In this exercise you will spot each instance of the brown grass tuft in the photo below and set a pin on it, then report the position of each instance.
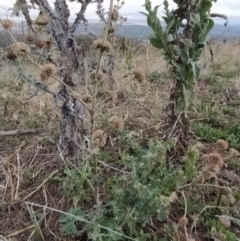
(117, 122)
(99, 138)
(103, 46)
(48, 70)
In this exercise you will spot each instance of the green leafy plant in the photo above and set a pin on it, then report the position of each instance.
(133, 197)
(68, 222)
(212, 134)
(154, 76)
(182, 45)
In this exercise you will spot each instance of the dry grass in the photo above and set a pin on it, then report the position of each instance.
(28, 164)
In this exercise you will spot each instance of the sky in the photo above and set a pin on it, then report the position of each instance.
(131, 10)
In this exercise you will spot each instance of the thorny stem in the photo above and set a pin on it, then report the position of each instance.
(94, 98)
(60, 81)
(206, 207)
(80, 219)
(93, 110)
(185, 213)
(54, 76)
(9, 32)
(105, 35)
(219, 197)
(84, 176)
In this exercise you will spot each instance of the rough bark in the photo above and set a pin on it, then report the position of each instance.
(73, 134)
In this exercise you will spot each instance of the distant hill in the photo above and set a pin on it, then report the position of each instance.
(142, 32)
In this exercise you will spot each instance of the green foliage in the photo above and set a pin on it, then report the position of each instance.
(181, 53)
(129, 58)
(68, 222)
(209, 223)
(74, 184)
(131, 198)
(220, 72)
(154, 76)
(190, 159)
(212, 134)
(209, 133)
(32, 122)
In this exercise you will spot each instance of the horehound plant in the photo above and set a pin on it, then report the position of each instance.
(182, 42)
(52, 29)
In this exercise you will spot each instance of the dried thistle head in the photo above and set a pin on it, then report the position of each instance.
(115, 15)
(233, 152)
(183, 221)
(39, 43)
(30, 38)
(221, 144)
(42, 19)
(111, 29)
(218, 236)
(48, 70)
(173, 197)
(215, 159)
(103, 46)
(113, 95)
(99, 138)
(87, 98)
(210, 171)
(117, 122)
(138, 75)
(17, 50)
(47, 43)
(99, 77)
(23, 48)
(7, 24)
(204, 157)
(12, 52)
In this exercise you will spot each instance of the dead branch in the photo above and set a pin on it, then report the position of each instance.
(17, 132)
(218, 15)
(80, 17)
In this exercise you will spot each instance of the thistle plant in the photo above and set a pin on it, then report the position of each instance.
(182, 41)
(53, 30)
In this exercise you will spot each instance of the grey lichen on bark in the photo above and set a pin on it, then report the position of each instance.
(73, 134)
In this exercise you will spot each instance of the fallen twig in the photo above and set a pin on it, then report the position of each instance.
(17, 132)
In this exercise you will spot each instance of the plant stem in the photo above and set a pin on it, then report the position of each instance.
(60, 81)
(105, 35)
(93, 110)
(54, 76)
